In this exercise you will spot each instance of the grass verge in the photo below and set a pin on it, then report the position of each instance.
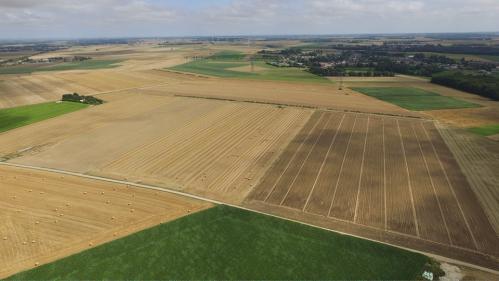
(414, 98)
(12, 118)
(486, 131)
(228, 243)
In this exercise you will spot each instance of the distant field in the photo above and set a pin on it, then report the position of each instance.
(87, 64)
(228, 243)
(486, 130)
(232, 65)
(12, 118)
(414, 98)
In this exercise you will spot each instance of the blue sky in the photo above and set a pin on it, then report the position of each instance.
(118, 18)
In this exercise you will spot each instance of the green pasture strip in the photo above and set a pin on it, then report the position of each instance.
(12, 118)
(414, 98)
(486, 131)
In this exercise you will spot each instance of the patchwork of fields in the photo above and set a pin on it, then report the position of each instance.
(46, 216)
(389, 174)
(374, 165)
(215, 148)
(38, 88)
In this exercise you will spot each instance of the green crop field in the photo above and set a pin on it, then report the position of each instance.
(221, 65)
(228, 243)
(22, 69)
(486, 131)
(12, 118)
(414, 98)
(87, 64)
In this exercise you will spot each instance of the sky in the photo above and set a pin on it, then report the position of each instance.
(33, 19)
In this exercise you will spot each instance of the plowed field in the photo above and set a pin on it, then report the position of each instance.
(390, 175)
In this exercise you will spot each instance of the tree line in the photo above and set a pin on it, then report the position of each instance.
(483, 85)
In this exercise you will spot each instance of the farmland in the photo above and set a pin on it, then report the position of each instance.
(386, 174)
(21, 116)
(227, 243)
(391, 168)
(232, 65)
(486, 130)
(87, 64)
(47, 216)
(414, 99)
(229, 144)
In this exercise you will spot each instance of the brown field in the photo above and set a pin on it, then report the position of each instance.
(43, 87)
(47, 216)
(214, 148)
(479, 159)
(313, 95)
(390, 175)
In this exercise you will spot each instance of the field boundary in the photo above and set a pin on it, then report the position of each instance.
(304, 106)
(156, 188)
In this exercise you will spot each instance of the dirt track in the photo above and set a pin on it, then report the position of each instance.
(46, 216)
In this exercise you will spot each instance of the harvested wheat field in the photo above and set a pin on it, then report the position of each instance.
(479, 159)
(296, 94)
(217, 149)
(386, 178)
(47, 216)
(31, 89)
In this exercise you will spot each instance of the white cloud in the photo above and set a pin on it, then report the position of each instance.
(58, 18)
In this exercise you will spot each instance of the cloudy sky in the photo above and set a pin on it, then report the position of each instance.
(121, 18)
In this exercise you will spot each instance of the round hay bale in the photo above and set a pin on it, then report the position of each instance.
(37, 263)
(5, 238)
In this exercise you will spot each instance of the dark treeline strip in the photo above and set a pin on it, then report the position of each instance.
(483, 85)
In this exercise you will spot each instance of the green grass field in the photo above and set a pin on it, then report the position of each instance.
(414, 98)
(87, 64)
(12, 118)
(220, 65)
(228, 243)
(486, 130)
(23, 69)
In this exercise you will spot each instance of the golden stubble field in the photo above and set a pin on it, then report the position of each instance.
(214, 148)
(46, 216)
